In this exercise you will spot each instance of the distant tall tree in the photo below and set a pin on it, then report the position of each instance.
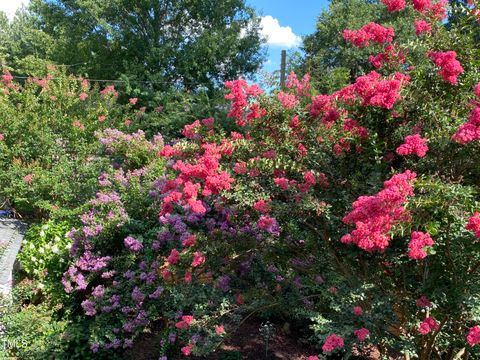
(154, 43)
(460, 11)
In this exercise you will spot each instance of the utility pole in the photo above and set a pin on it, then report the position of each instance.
(283, 69)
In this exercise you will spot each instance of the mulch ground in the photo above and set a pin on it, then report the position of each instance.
(247, 343)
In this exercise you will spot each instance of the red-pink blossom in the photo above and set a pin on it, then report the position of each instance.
(371, 32)
(449, 66)
(28, 178)
(78, 125)
(417, 245)
(354, 128)
(421, 5)
(474, 224)
(190, 130)
(357, 310)
(288, 101)
(185, 322)
(239, 93)
(189, 241)
(413, 144)
(219, 330)
(374, 216)
(187, 350)
(282, 182)
(302, 88)
(295, 122)
(262, 206)
(470, 131)
(422, 27)
(240, 168)
(473, 336)
(302, 150)
(361, 334)
(208, 122)
(320, 105)
(438, 11)
(476, 90)
(390, 56)
(174, 257)
(109, 90)
(375, 91)
(333, 342)
(198, 259)
(7, 78)
(268, 224)
(196, 206)
(394, 5)
(132, 101)
(423, 302)
(427, 325)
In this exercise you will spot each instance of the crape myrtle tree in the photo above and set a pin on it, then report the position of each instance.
(328, 59)
(333, 64)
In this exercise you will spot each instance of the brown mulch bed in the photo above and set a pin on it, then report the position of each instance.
(248, 344)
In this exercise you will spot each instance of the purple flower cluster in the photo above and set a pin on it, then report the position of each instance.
(132, 244)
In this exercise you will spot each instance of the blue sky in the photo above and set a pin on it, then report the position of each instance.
(299, 15)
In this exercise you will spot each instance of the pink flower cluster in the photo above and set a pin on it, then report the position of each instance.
(200, 177)
(332, 342)
(324, 105)
(302, 87)
(185, 322)
(476, 90)
(422, 27)
(390, 56)
(423, 302)
(374, 216)
(288, 101)
(372, 32)
(417, 244)
(421, 5)
(437, 11)
(109, 90)
(239, 93)
(378, 92)
(427, 325)
(470, 131)
(449, 66)
(357, 310)
(474, 224)
(354, 128)
(362, 334)
(394, 5)
(473, 336)
(7, 78)
(414, 144)
(190, 130)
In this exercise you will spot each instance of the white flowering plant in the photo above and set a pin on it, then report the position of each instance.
(44, 252)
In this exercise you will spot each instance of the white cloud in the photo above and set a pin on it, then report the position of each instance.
(11, 6)
(277, 35)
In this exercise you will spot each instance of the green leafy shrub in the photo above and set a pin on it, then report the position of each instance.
(44, 254)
